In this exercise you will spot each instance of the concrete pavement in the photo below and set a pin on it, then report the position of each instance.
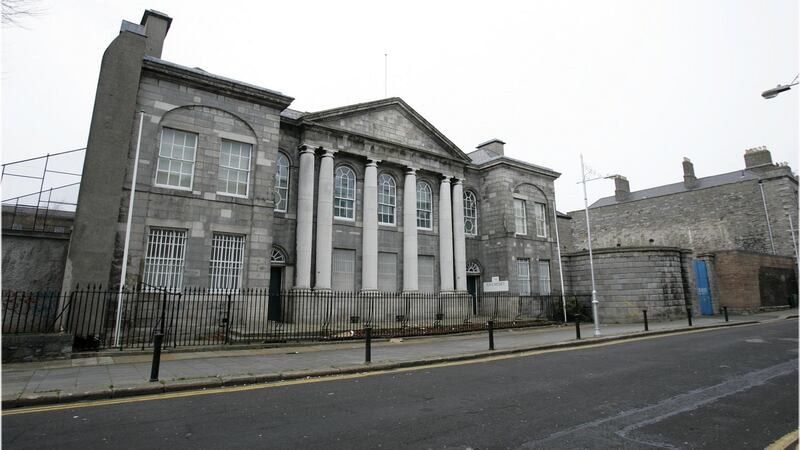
(122, 375)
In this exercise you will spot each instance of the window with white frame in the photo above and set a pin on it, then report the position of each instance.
(234, 168)
(544, 277)
(520, 219)
(163, 262)
(176, 156)
(227, 259)
(541, 219)
(470, 214)
(344, 196)
(524, 276)
(387, 199)
(424, 206)
(282, 183)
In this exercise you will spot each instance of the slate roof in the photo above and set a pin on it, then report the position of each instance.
(676, 188)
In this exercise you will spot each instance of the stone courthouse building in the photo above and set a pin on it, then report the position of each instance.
(233, 189)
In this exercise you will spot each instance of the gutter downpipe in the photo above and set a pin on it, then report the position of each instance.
(766, 214)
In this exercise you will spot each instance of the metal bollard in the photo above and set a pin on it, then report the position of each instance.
(577, 327)
(158, 338)
(367, 345)
(491, 334)
(689, 315)
(725, 311)
(646, 328)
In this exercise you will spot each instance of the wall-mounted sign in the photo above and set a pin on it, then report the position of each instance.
(495, 285)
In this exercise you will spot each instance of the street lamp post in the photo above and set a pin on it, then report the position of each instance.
(595, 302)
(772, 93)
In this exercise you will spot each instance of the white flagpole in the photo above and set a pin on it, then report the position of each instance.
(560, 268)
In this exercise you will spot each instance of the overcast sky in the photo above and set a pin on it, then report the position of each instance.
(633, 85)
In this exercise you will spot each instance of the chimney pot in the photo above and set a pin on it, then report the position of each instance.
(757, 157)
(156, 25)
(494, 145)
(621, 188)
(689, 180)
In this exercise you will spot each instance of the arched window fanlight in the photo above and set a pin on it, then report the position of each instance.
(473, 268)
(277, 257)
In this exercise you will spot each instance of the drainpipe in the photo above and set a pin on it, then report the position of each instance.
(766, 214)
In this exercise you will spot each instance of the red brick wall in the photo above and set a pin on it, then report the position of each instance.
(737, 277)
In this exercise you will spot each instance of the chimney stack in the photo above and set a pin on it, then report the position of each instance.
(756, 157)
(156, 25)
(689, 180)
(621, 188)
(494, 146)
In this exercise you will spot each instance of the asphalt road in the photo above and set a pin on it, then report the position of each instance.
(727, 388)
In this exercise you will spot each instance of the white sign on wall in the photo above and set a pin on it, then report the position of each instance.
(495, 285)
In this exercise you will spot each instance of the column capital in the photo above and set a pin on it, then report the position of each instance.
(411, 170)
(327, 153)
(372, 162)
(457, 181)
(445, 178)
(307, 148)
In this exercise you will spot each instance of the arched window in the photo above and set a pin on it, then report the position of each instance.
(387, 199)
(473, 268)
(282, 183)
(278, 257)
(470, 214)
(424, 206)
(344, 193)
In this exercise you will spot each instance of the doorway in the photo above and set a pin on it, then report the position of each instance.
(703, 291)
(473, 283)
(275, 284)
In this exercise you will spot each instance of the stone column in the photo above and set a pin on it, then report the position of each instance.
(445, 236)
(369, 247)
(305, 217)
(410, 281)
(324, 222)
(459, 243)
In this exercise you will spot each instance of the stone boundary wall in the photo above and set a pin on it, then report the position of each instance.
(629, 280)
(36, 347)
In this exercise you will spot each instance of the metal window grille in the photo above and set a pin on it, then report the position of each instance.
(343, 270)
(425, 273)
(176, 158)
(344, 197)
(387, 272)
(520, 220)
(387, 199)
(544, 277)
(524, 276)
(163, 265)
(234, 168)
(282, 183)
(227, 259)
(424, 206)
(470, 214)
(541, 222)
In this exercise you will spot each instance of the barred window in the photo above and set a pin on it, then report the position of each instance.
(163, 263)
(344, 197)
(234, 168)
(520, 219)
(227, 259)
(541, 219)
(424, 206)
(470, 214)
(387, 199)
(282, 183)
(544, 277)
(524, 276)
(175, 167)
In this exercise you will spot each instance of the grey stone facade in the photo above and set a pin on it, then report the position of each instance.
(164, 96)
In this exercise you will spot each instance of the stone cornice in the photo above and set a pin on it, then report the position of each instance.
(215, 83)
(517, 164)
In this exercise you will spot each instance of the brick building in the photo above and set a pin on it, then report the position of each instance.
(729, 234)
(233, 189)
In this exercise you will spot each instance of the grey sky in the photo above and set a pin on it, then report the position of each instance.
(634, 85)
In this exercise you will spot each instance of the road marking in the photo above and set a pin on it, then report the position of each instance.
(617, 429)
(278, 384)
(785, 442)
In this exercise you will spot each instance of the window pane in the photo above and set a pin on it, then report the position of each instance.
(227, 259)
(234, 168)
(520, 219)
(176, 158)
(424, 206)
(163, 265)
(470, 214)
(544, 277)
(387, 198)
(282, 183)
(541, 219)
(524, 276)
(344, 193)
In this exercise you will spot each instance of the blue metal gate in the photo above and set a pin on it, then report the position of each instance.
(703, 292)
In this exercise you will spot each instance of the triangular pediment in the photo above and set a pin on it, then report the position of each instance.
(390, 120)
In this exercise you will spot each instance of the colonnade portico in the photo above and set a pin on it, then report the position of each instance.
(452, 246)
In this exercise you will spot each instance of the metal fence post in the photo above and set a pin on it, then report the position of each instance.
(367, 345)
(491, 334)
(646, 328)
(157, 339)
(577, 327)
(725, 311)
(228, 320)
(689, 314)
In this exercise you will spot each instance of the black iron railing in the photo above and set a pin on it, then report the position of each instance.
(199, 316)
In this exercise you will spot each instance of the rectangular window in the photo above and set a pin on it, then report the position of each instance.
(541, 219)
(234, 168)
(520, 221)
(425, 273)
(163, 263)
(343, 270)
(387, 272)
(176, 159)
(544, 277)
(524, 276)
(227, 259)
